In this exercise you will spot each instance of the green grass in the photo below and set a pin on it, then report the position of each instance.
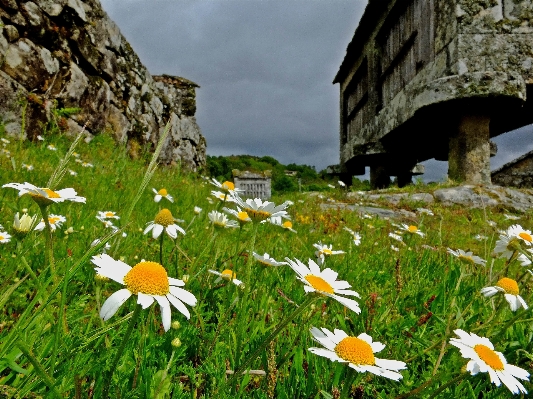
(54, 344)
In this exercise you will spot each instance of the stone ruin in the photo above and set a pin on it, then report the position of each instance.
(253, 184)
(60, 54)
(425, 79)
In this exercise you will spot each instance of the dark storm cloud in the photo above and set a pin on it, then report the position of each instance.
(265, 68)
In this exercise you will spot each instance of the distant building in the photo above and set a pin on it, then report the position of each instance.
(254, 184)
(517, 173)
(291, 173)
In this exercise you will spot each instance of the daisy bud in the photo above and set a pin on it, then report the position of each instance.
(175, 325)
(176, 343)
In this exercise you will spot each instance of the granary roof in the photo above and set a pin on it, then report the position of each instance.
(373, 12)
(513, 162)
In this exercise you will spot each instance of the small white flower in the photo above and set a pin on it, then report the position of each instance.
(468, 257)
(4, 237)
(509, 287)
(356, 236)
(107, 215)
(425, 211)
(197, 210)
(411, 229)
(51, 147)
(163, 193)
(220, 220)
(55, 221)
(27, 167)
(164, 221)
(267, 260)
(228, 275)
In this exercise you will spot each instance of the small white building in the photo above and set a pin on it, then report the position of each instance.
(254, 184)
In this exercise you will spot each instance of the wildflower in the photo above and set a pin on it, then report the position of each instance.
(242, 217)
(331, 186)
(341, 183)
(4, 237)
(221, 221)
(5, 141)
(149, 281)
(164, 221)
(51, 147)
(222, 196)
(259, 210)
(7, 153)
(287, 225)
(227, 275)
(411, 229)
(514, 239)
(107, 215)
(266, 260)
(87, 165)
(23, 225)
(356, 236)
(425, 211)
(108, 224)
(72, 172)
(78, 160)
(516, 231)
(176, 343)
(106, 247)
(197, 210)
(467, 257)
(75, 154)
(480, 237)
(324, 282)
(227, 187)
(27, 167)
(163, 193)
(40, 138)
(396, 237)
(509, 287)
(55, 221)
(396, 249)
(324, 250)
(45, 196)
(358, 352)
(483, 358)
(511, 217)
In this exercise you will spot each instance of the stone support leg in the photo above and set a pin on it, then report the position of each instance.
(379, 177)
(469, 151)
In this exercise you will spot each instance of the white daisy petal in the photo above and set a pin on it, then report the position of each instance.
(113, 303)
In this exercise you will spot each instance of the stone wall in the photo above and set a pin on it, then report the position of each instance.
(57, 54)
(517, 173)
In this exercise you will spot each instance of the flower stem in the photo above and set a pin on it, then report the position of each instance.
(49, 252)
(262, 347)
(125, 339)
(161, 248)
(346, 389)
(448, 384)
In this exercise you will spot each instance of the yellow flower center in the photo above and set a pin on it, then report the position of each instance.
(163, 192)
(412, 229)
(356, 351)
(525, 236)
(509, 285)
(147, 277)
(109, 214)
(53, 219)
(467, 259)
(243, 216)
(50, 193)
(326, 251)
(2, 237)
(227, 186)
(228, 274)
(287, 224)
(489, 356)
(164, 218)
(257, 215)
(319, 284)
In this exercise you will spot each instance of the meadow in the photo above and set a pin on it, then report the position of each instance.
(415, 289)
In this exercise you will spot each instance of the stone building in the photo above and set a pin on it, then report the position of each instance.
(425, 79)
(254, 184)
(517, 173)
(69, 54)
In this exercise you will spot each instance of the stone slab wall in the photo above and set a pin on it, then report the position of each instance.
(69, 54)
(517, 173)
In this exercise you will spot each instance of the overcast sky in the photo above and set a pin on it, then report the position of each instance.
(265, 68)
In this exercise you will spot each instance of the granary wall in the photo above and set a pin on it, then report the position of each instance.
(70, 54)
(517, 173)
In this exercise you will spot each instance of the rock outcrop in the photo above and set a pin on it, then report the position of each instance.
(68, 54)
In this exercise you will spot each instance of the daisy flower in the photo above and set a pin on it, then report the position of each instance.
(107, 215)
(227, 187)
(27, 167)
(241, 216)
(483, 358)
(396, 249)
(228, 275)
(411, 229)
(23, 225)
(40, 138)
(512, 240)
(56, 221)
(163, 193)
(72, 172)
(105, 248)
(324, 282)
(467, 257)
(425, 211)
(149, 281)
(266, 260)
(87, 165)
(164, 221)
(221, 221)
(341, 183)
(287, 225)
(517, 231)
(324, 250)
(511, 217)
(75, 154)
(222, 196)
(358, 352)
(396, 237)
(51, 147)
(5, 141)
(45, 196)
(356, 236)
(197, 210)
(4, 237)
(509, 287)
(260, 210)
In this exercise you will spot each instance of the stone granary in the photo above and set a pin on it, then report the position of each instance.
(517, 173)
(253, 184)
(425, 79)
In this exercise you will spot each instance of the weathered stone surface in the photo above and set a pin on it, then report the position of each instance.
(468, 195)
(517, 173)
(370, 210)
(69, 54)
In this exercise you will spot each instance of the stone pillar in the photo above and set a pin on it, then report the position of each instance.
(469, 151)
(379, 177)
